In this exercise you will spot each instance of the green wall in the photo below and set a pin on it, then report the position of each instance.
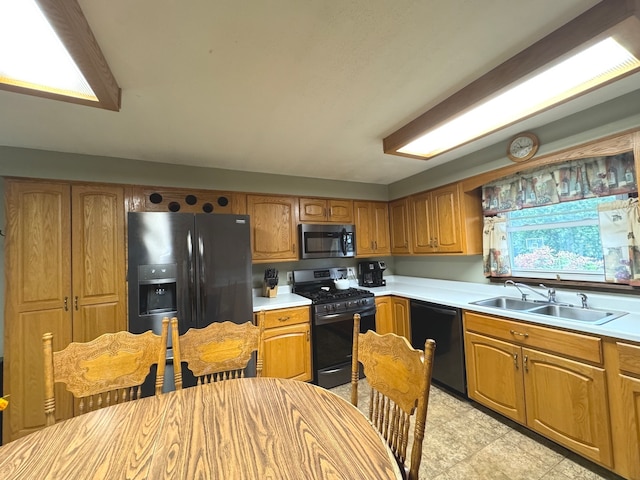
(22, 162)
(614, 116)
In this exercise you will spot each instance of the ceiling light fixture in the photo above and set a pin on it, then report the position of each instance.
(47, 49)
(594, 49)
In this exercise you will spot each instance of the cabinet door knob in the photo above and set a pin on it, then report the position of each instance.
(75, 302)
(526, 363)
(66, 304)
(515, 360)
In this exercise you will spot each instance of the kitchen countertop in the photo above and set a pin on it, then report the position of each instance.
(459, 294)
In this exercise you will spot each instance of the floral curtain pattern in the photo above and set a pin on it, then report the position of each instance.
(584, 178)
(495, 248)
(620, 235)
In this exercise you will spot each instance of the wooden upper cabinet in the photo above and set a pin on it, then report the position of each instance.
(399, 226)
(372, 228)
(421, 223)
(98, 259)
(65, 275)
(185, 200)
(273, 222)
(446, 220)
(326, 210)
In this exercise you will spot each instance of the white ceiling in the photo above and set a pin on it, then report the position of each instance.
(295, 87)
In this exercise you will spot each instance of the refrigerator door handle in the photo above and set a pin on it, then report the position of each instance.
(192, 276)
(203, 280)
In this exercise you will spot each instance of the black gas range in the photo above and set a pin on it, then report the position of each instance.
(332, 321)
(319, 286)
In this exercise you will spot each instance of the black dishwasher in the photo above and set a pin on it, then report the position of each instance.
(444, 325)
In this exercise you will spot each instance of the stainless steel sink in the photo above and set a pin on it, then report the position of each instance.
(565, 312)
(506, 303)
(574, 313)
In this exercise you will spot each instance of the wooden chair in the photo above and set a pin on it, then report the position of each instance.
(107, 370)
(219, 351)
(400, 380)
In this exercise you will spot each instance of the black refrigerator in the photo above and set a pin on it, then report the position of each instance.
(196, 267)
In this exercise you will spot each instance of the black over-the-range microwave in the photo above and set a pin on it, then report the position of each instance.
(327, 241)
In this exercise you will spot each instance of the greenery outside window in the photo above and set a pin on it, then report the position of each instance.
(558, 241)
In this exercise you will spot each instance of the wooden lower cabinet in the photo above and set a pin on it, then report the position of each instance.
(287, 343)
(392, 316)
(503, 392)
(622, 360)
(564, 399)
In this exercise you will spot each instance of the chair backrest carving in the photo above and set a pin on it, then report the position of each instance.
(219, 351)
(107, 370)
(400, 381)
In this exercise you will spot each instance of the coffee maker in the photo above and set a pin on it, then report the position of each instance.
(370, 274)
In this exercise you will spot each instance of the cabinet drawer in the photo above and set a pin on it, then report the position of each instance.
(629, 357)
(287, 316)
(577, 345)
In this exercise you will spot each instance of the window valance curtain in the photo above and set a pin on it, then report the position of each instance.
(584, 178)
(495, 246)
(620, 236)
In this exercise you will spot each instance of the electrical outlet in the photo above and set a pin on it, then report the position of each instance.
(290, 278)
(351, 272)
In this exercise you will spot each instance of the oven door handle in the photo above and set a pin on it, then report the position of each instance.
(343, 316)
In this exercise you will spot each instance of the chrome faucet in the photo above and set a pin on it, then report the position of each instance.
(550, 297)
(551, 294)
(583, 299)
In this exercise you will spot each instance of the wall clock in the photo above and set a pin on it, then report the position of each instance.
(522, 147)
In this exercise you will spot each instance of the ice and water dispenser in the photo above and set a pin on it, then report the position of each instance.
(157, 289)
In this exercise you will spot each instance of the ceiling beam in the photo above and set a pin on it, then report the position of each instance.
(620, 17)
(71, 26)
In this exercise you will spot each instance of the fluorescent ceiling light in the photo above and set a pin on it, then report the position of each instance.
(32, 54)
(47, 49)
(596, 48)
(593, 66)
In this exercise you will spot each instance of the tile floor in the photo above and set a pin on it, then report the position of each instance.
(465, 441)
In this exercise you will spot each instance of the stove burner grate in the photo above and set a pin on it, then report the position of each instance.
(332, 295)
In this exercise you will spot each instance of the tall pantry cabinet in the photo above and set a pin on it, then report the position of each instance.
(64, 270)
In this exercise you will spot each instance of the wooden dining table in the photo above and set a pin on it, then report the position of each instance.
(252, 428)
